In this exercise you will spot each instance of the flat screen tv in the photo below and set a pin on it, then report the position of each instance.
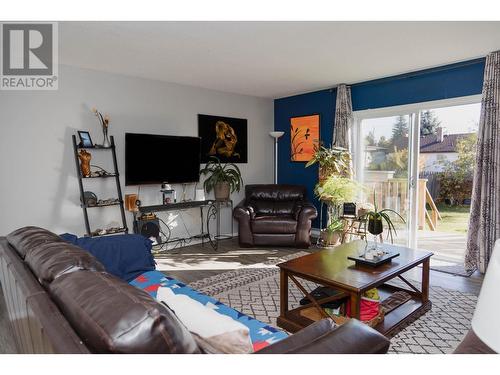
(153, 159)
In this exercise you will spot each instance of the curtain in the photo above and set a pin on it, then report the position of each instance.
(484, 222)
(343, 117)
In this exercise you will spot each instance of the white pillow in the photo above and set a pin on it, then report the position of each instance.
(220, 331)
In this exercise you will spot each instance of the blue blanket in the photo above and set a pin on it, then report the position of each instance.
(125, 256)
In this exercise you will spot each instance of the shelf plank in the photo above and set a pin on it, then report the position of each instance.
(121, 230)
(103, 205)
(94, 148)
(104, 176)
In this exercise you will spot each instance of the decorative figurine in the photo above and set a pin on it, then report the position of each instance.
(85, 157)
(104, 121)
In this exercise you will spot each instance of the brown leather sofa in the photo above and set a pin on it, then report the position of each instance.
(275, 215)
(60, 300)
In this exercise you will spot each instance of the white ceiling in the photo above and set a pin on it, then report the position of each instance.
(271, 59)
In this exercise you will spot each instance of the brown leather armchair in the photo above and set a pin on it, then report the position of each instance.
(276, 215)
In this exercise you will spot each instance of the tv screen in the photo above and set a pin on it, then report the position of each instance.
(153, 159)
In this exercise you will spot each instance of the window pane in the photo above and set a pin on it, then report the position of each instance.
(385, 168)
(447, 154)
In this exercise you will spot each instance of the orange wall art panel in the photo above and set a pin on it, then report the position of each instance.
(304, 137)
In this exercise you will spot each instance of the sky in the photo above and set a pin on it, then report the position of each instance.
(456, 119)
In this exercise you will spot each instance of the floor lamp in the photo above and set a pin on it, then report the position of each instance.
(276, 136)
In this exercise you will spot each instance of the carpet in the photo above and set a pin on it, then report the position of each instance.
(453, 269)
(255, 292)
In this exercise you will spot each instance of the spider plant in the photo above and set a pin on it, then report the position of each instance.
(336, 225)
(376, 220)
(221, 174)
(332, 234)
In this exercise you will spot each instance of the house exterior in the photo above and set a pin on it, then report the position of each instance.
(438, 149)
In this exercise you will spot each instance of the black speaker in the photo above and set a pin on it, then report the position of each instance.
(149, 228)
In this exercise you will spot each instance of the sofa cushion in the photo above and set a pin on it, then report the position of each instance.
(271, 192)
(263, 207)
(50, 260)
(284, 224)
(125, 256)
(214, 332)
(112, 316)
(29, 238)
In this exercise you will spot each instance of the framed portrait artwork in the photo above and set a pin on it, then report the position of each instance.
(223, 137)
(304, 136)
(85, 140)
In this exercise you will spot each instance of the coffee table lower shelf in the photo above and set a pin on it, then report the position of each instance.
(393, 321)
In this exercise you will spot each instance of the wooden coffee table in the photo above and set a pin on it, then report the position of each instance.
(331, 268)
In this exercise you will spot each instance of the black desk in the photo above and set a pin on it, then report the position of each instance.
(213, 212)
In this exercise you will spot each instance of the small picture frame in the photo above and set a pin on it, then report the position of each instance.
(85, 140)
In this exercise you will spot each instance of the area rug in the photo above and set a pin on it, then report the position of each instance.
(224, 260)
(255, 292)
(453, 269)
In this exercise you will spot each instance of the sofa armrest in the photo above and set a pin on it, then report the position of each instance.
(472, 344)
(304, 210)
(243, 212)
(324, 337)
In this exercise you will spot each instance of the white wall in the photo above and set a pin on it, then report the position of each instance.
(37, 167)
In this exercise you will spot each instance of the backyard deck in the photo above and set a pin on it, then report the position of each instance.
(446, 246)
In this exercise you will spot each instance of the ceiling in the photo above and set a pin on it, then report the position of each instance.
(271, 59)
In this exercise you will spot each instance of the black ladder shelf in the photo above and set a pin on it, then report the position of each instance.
(119, 198)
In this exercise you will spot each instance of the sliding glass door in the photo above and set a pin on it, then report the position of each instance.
(408, 157)
(448, 137)
(384, 166)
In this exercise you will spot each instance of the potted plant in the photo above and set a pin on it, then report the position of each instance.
(375, 220)
(332, 161)
(332, 234)
(337, 191)
(224, 179)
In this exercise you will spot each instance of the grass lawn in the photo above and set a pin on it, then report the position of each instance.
(455, 218)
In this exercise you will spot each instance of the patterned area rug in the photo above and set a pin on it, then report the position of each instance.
(256, 292)
(455, 270)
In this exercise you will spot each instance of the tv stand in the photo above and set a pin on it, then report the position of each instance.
(212, 213)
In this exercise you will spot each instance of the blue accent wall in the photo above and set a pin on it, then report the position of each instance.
(450, 81)
(318, 102)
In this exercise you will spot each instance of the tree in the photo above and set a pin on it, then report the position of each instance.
(384, 142)
(464, 165)
(399, 130)
(456, 179)
(429, 123)
(370, 138)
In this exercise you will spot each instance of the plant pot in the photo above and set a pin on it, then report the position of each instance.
(330, 238)
(375, 226)
(222, 191)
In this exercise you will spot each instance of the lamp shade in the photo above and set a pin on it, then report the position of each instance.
(485, 322)
(276, 134)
